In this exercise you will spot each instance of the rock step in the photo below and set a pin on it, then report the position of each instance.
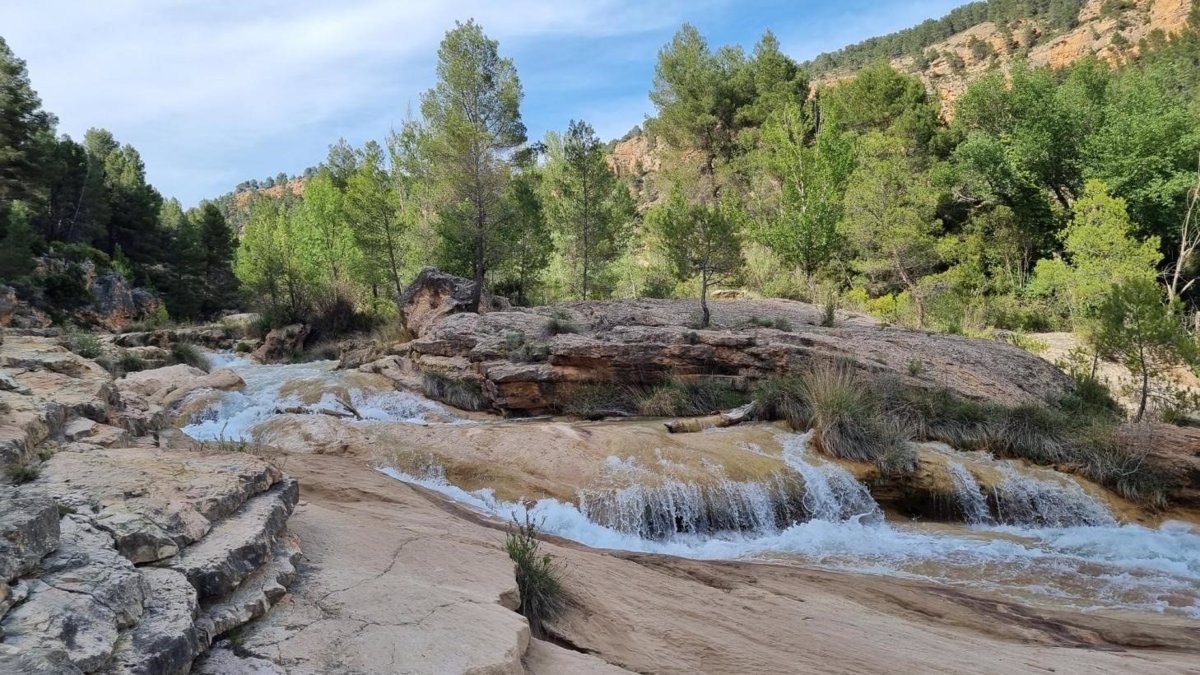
(238, 545)
(29, 531)
(166, 640)
(255, 595)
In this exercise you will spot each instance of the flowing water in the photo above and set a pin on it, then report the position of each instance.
(1037, 535)
(235, 413)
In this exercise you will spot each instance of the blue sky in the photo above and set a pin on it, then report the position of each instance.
(216, 92)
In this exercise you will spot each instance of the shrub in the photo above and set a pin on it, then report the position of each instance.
(1089, 397)
(131, 363)
(597, 400)
(243, 348)
(519, 349)
(560, 321)
(338, 316)
(846, 420)
(898, 458)
(539, 576)
(189, 354)
(781, 397)
(829, 311)
(23, 472)
(778, 323)
(678, 397)
(691, 337)
(461, 392)
(916, 367)
(84, 344)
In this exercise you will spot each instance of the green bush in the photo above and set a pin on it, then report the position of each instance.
(131, 363)
(84, 344)
(461, 392)
(518, 348)
(539, 576)
(560, 322)
(188, 354)
(778, 323)
(600, 399)
(846, 419)
(243, 348)
(781, 397)
(678, 397)
(23, 472)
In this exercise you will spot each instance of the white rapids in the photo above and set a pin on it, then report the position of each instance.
(1038, 537)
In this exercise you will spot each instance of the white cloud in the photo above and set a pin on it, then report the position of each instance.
(215, 92)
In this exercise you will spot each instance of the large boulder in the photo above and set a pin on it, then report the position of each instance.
(435, 294)
(116, 304)
(282, 344)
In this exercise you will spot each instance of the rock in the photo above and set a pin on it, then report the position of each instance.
(435, 294)
(35, 662)
(1173, 452)
(261, 589)
(8, 304)
(29, 530)
(644, 342)
(167, 640)
(222, 660)
(223, 379)
(239, 544)
(154, 502)
(92, 397)
(150, 383)
(281, 344)
(17, 314)
(116, 304)
(7, 383)
(85, 595)
(95, 433)
(212, 336)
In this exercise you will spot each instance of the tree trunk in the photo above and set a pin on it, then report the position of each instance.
(704, 313)
(1145, 386)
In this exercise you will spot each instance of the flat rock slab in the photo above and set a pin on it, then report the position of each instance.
(154, 502)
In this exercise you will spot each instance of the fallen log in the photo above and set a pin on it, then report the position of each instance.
(726, 419)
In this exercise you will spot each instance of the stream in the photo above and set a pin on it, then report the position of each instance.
(1048, 541)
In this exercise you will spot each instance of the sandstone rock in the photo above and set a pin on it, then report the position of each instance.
(90, 397)
(116, 304)
(643, 342)
(281, 344)
(166, 641)
(150, 383)
(7, 383)
(261, 589)
(154, 502)
(1174, 452)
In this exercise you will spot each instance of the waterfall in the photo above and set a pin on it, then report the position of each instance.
(1025, 499)
(968, 495)
(831, 493)
(662, 510)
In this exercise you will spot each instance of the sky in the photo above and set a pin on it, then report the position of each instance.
(214, 92)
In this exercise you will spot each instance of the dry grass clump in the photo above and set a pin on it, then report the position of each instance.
(461, 392)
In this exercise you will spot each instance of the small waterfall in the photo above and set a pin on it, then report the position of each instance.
(968, 495)
(1025, 499)
(831, 493)
(662, 510)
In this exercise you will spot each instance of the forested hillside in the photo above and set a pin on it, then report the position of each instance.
(1054, 198)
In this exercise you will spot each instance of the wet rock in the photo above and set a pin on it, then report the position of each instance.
(281, 344)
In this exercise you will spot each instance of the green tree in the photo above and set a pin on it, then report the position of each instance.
(132, 204)
(1136, 328)
(591, 208)
(699, 241)
(802, 229)
(379, 220)
(698, 94)
(880, 98)
(530, 244)
(23, 127)
(217, 245)
(890, 218)
(16, 246)
(474, 121)
(1100, 249)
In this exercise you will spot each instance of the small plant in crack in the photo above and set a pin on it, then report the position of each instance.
(539, 575)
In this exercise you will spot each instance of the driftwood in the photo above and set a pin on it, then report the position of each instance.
(725, 419)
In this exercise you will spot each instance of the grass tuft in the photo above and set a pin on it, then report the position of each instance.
(520, 349)
(781, 397)
(84, 344)
(131, 363)
(600, 399)
(846, 420)
(188, 354)
(539, 576)
(679, 397)
(560, 322)
(461, 392)
(23, 472)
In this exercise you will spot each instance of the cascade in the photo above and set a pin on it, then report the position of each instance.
(968, 495)
(831, 493)
(1023, 498)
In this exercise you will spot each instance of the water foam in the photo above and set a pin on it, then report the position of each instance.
(235, 414)
(968, 495)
